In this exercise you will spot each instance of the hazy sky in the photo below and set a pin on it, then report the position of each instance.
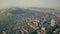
(31, 3)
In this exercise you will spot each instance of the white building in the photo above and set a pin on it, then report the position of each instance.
(53, 22)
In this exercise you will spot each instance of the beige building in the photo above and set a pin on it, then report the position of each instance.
(52, 22)
(58, 14)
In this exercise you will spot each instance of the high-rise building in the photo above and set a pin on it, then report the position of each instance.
(52, 22)
(3, 32)
(44, 18)
(36, 23)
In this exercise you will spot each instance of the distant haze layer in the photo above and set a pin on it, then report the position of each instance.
(31, 3)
